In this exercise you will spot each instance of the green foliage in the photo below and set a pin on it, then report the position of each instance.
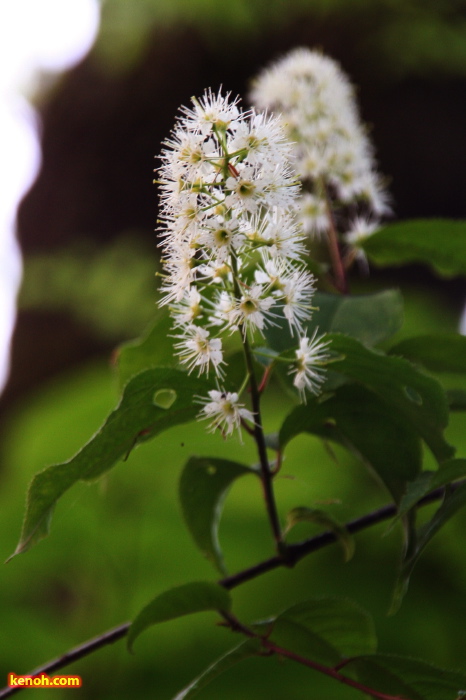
(183, 600)
(454, 500)
(456, 399)
(378, 406)
(320, 517)
(408, 678)
(137, 418)
(117, 299)
(245, 650)
(327, 630)
(154, 349)
(370, 318)
(429, 481)
(432, 34)
(204, 485)
(389, 448)
(439, 243)
(438, 353)
(414, 395)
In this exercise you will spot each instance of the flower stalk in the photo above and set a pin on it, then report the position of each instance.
(266, 473)
(234, 259)
(340, 277)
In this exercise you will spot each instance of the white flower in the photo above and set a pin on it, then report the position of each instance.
(219, 237)
(298, 291)
(262, 139)
(180, 271)
(224, 175)
(308, 368)
(228, 193)
(189, 308)
(313, 215)
(192, 152)
(225, 412)
(331, 149)
(212, 111)
(196, 349)
(226, 310)
(360, 230)
(189, 214)
(217, 271)
(283, 237)
(292, 286)
(253, 309)
(246, 190)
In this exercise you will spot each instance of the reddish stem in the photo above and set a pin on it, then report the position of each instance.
(341, 282)
(328, 671)
(265, 379)
(278, 463)
(233, 170)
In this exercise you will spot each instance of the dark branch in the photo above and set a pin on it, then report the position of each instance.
(73, 655)
(294, 553)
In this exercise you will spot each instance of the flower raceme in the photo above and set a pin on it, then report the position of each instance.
(232, 249)
(332, 153)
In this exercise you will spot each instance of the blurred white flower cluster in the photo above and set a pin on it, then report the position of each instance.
(232, 248)
(332, 153)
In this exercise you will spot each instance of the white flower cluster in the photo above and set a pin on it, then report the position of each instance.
(333, 155)
(231, 246)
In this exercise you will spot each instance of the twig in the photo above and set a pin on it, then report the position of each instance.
(331, 671)
(266, 474)
(69, 657)
(295, 552)
(327, 671)
(341, 282)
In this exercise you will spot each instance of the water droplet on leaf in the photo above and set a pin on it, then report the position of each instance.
(164, 398)
(413, 395)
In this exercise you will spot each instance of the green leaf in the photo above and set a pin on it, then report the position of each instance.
(248, 648)
(439, 353)
(204, 484)
(272, 442)
(265, 356)
(368, 427)
(327, 630)
(408, 678)
(425, 483)
(453, 502)
(415, 396)
(371, 318)
(327, 521)
(153, 349)
(139, 416)
(428, 481)
(440, 243)
(456, 399)
(183, 600)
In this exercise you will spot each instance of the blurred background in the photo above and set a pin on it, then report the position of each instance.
(89, 93)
